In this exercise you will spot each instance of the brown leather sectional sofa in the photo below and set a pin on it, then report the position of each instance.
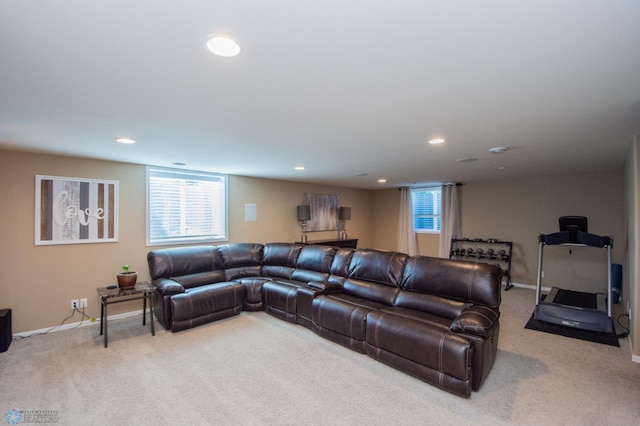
(436, 319)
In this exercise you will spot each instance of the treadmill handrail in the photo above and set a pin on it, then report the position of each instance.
(576, 238)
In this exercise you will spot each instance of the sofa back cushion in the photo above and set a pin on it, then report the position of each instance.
(468, 282)
(177, 261)
(379, 266)
(279, 259)
(240, 254)
(241, 259)
(316, 258)
(340, 265)
(375, 275)
(314, 263)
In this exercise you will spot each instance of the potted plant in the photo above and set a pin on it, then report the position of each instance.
(127, 278)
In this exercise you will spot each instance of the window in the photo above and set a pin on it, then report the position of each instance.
(185, 206)
(427, 209)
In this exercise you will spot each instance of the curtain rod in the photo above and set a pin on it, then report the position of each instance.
(442, 184)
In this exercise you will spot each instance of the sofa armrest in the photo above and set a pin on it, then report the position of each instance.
(168, 286)
(478, 320)
(325, 286)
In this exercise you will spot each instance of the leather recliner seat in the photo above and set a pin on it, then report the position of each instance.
(436, 319)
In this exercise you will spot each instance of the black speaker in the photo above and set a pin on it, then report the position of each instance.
(5, 329)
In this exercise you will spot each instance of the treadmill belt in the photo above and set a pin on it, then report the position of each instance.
(576, 298)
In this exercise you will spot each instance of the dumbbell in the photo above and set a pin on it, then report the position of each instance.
(479, 252)
(469, 251)
(490, 252)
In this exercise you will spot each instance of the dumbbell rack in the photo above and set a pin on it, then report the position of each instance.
(498, 252)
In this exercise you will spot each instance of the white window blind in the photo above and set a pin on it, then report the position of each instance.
(427, 211)
(185, 206)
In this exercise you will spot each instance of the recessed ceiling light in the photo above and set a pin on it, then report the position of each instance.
(177, 163)
(466, 160)
(222, 45)
(299, 168)
(361, 174)
(382, 181)
(498, 150)
(125, 140)
(436, 141)
(500, 167)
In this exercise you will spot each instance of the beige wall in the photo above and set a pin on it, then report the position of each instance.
(385, 218)
(38, 282)
(276, 203)
(631, 224)
(519, 210)
(385, 215)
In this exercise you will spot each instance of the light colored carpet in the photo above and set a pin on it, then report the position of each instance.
(256, 369)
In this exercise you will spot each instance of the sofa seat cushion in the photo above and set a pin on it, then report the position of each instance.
(279, 298)
(436, 305)
(206, 303)
(200, 278)
(367, 290)
(253, 292)
(434, 320)
(343, 314)
(306, 276)
(422, 342)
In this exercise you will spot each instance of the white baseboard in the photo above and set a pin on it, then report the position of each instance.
(531, 287)
(634, 358)
(84, 323)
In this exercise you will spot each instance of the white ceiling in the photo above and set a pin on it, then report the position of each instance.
(343, 87)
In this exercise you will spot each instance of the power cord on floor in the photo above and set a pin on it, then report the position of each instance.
(81, 311)
(625, 333)
(82, 318)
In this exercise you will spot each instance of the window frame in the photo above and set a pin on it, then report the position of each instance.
(437, 217)
(188, 175)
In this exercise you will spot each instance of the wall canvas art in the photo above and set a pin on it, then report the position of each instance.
(324, 209)
(74, 210)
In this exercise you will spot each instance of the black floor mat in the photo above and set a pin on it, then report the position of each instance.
(576, 333)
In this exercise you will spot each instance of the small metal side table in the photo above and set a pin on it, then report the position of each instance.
(142, 290)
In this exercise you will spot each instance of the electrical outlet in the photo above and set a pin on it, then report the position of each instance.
(74, 304)
(83, 303)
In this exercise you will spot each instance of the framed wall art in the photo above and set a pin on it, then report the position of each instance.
(324, 209)
(75, 210)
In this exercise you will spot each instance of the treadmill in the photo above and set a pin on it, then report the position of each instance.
(587, 311)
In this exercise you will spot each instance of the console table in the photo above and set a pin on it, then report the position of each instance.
(348, 243)
(142, 290)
